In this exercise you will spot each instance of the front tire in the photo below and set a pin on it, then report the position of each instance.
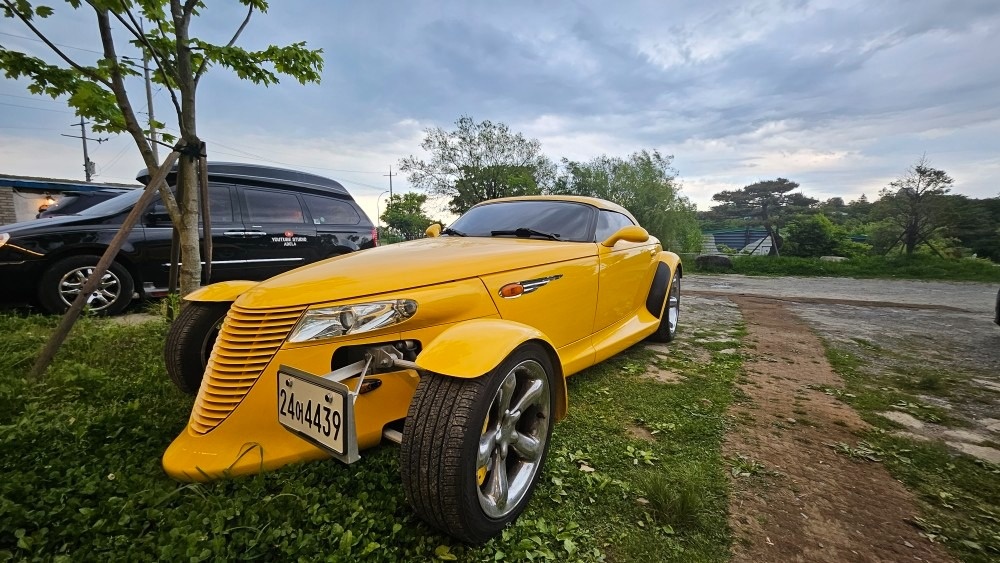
(189, 343)
(473, 449)
(667, 330)
(62, 282)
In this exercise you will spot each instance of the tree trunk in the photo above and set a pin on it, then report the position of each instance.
(190, 270)
(187, 174)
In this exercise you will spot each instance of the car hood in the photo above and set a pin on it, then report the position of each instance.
(44, 223)
(407, 265)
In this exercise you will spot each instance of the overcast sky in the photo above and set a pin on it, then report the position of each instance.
(838, 96)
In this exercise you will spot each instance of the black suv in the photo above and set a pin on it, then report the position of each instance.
(264, 221)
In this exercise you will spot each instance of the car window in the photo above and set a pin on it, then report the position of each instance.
(264, 206)
(329, 211)
(114, 205)
(608, 223)
(220, 204)
(569, 220)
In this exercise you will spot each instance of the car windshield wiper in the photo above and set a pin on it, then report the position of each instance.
(450, 231)
(525, 232)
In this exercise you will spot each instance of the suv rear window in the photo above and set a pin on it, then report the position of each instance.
(273, 207)
(327, 211)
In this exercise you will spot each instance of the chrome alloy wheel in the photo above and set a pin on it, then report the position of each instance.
(674, 304)
(106, 293)
(513, 439)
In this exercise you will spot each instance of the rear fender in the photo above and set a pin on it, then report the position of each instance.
(222, 291)
(472, 348)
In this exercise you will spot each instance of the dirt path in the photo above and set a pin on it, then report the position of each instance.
(797, 498)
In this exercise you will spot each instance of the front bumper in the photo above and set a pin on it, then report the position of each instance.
(251, 440)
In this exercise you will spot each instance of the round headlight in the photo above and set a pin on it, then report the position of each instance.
(347, 319)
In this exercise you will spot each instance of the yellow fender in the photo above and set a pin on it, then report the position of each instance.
(222, 291)
(470, 349)
(670, 259)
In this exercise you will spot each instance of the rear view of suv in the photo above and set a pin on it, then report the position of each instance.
(264, 221)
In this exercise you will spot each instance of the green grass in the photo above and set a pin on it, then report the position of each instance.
(80, 459)
(959, 495)
(895, 266)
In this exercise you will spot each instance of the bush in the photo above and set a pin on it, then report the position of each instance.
(816, 236)
(918, 266)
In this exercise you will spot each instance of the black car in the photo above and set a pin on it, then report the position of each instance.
(71, 203)
(264, 221)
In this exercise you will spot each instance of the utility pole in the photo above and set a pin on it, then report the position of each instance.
(149, 100)
(88, 165)
(390, 175)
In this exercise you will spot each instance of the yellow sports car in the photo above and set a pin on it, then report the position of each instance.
(456, 346)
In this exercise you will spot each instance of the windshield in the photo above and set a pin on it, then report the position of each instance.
(569, 221)
(114, 205)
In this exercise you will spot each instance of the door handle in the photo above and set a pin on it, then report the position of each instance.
(235, 234)
(254, 234)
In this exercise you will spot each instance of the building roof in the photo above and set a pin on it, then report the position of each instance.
(57, 184)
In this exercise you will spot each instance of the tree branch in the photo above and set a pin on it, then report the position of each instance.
(86, 72)
(157, 58)
(189, 7)
(246, 20)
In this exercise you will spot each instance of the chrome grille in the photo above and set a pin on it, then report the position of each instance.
(247, 342)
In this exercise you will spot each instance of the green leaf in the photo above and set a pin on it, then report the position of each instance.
(443, 552)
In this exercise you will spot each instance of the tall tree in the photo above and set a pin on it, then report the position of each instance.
(476, 162)
(404, 214)
(914, 205)
(645, 184)
(770, 204)
(96, 89)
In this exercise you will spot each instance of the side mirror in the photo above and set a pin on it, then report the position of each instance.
(434, 230)
(628, 234)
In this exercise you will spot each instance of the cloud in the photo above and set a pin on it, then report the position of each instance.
(840, 97)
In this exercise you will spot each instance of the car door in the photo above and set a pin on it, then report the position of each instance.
(626, 271)
(227, 237)
(277, 237)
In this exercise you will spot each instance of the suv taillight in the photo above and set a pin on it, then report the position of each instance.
(374, 236)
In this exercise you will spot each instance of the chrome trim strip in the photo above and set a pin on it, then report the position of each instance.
(167, 264)
(530, 286)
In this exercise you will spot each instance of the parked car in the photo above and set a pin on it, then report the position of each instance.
(456, 346)
(73, 202)
(264, 221)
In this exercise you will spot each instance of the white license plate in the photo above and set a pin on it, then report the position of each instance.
(319, 410)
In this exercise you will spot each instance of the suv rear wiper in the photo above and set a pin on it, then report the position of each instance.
(525, 232)
(450, 231)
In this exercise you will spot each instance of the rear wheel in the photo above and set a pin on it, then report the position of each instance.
(667, 330)
(190, 340)
(62, 282)
(473, 449)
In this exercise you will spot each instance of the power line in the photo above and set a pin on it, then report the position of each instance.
(56, 44)
(33, 98)
(31, 107)
(31, 128)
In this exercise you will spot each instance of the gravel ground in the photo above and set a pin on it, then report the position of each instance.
(974, 297)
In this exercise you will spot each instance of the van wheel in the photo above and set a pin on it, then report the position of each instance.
(190, 341)
(473, 449)
(62, 282)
